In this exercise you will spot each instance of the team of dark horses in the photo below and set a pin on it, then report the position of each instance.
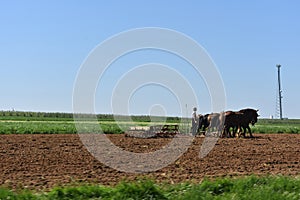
(227, 124)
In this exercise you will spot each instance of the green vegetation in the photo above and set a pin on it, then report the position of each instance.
(14, 122)
(277, 126)
(56, 116)
(253, 187)
(55, 127)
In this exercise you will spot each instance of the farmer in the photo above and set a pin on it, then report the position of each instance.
(194, 121)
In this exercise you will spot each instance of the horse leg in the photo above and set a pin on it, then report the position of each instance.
(203, 129)
(250, 132)
(229, 135)
(239, 131)
(225, 132)
(244, 132)
(234, 128)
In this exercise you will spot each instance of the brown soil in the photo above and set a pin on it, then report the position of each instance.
(43, 161)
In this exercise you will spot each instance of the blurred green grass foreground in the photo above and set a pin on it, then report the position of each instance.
(252, 187)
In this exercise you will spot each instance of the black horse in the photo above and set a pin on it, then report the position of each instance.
(249, 117)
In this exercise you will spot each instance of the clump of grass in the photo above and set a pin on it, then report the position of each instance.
(253, 187)
(144, 189)
(23, 195)
(80, 192)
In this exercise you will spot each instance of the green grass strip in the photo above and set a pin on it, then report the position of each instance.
(252, 187)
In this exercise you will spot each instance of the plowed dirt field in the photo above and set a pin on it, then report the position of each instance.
(43, 161)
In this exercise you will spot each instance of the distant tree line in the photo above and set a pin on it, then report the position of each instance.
(28, 115)
(35, 114)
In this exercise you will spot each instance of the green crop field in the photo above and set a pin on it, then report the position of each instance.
(14, 122)
(277, 126)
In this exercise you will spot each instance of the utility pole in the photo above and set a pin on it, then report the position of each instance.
(279, 93)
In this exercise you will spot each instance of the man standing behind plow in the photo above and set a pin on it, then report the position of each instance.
(194, 121)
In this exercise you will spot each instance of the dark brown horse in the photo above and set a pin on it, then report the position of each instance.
(232, 120)
(216, 123)
(203, 123)
(249, 117)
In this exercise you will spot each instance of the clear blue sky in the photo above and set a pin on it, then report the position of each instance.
(43, 44)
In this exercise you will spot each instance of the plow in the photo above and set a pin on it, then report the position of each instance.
(156, 131)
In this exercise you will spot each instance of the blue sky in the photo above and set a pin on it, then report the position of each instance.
(43, 44)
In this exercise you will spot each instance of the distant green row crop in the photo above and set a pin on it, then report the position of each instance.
(276, 129)
(12, 122)
(58, 127)
(258, 188)
(25, 127)
(277, 126)
(62, 127)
